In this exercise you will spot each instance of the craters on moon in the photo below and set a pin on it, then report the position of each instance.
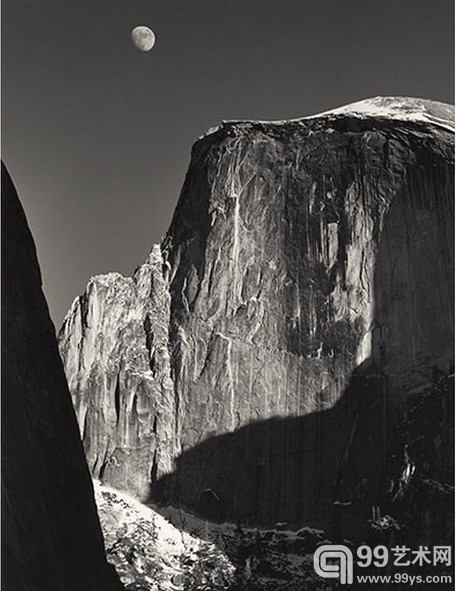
(143, 38)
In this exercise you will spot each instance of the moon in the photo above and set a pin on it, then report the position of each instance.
(143, 38)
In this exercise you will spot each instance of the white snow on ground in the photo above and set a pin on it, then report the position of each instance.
(211, 531)
(275, 559)
(151, 554)
(167, 549)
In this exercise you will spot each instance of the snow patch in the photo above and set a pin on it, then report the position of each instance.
(147, 550)
(398, 108)
(381, 107)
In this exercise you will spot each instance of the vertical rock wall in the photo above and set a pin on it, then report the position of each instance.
(117, 363)
(51, 537)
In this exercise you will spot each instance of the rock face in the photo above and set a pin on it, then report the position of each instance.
(50, 532)
(255, 367)
(115, 347)
(423, 497)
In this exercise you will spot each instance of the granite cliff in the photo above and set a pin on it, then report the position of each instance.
(51, 536)
(255, 367)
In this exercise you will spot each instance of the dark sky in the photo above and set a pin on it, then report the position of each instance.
(97, 135)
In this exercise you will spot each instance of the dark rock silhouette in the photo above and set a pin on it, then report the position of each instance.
(51, 537)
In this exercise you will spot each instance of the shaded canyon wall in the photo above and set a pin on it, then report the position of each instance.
(51, 536)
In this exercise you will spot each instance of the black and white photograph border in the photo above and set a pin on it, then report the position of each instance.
(266, 402)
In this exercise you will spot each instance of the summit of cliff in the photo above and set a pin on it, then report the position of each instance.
(394, 108)
(400, 109)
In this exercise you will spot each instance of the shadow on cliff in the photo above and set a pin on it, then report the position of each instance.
(325, 469)
(331, 468)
